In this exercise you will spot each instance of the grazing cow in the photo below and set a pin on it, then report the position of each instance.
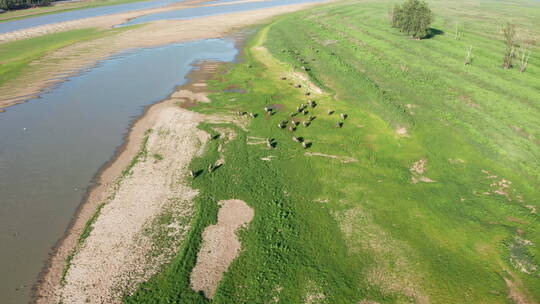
(298, 86)
(310, 118)
(192, 173)
(305, 112)
(283, 78)
(306, 123)
(339, 124)
(268, 109)
(307, 93)
(296, 123)
(270, 143)
(252, 115)
(280, 125)
(306, 144)
(292, 129)
(296, 139)
(293, 114)
(344, 116)
(211, 168)
(330, 112)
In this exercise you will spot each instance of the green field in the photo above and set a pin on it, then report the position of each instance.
(427, 194)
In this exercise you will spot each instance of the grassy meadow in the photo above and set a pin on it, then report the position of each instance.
(427, 193)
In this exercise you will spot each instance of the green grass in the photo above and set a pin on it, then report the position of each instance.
(16, 57)
(61, 8)
(88, 226)
(360, 229)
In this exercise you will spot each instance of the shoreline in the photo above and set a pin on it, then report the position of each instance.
(99, 187)
(101, 183)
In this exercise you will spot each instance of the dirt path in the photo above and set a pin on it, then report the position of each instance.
(220, 246)
(67, 62)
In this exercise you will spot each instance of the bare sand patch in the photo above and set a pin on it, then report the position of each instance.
(402, 131)
(455, 161)
(343, 159)
(515, 292)
(115, 257)
(418, 169)
(54, 67)
(307, 83)
(220, 246)
(531, 208)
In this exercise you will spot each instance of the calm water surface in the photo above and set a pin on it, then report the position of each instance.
(212, 10)
(14, 25)
(51, 147)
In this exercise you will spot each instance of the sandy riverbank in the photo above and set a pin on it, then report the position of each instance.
(114, 258)
(68, 62)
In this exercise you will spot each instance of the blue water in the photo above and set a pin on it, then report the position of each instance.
(52, 146)
(14, 25)
(212, 10)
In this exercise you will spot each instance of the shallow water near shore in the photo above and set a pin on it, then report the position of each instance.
(51, 147)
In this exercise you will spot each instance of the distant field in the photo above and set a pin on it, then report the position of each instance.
(17, 58)
(429, 191)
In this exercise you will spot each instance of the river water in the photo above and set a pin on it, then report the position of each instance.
(9, 26)
(204, 11)
(52, 146)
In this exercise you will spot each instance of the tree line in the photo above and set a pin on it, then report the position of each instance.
(17, 4)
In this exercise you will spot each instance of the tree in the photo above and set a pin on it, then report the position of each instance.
(17, 4)
(509, 33)
(413, 18)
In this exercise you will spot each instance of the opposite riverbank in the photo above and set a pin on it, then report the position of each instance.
(55, 66)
